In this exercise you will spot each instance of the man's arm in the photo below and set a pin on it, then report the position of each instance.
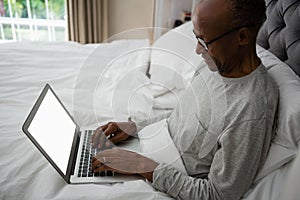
(142, 123)
(233, 169)
(117, 132)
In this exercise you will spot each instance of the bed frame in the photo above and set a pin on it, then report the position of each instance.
(280, 34)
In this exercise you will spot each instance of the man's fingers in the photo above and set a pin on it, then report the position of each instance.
(103, 127)
(97, 161)
(98, 138)
(100, 168)
(110, 164)
(111, 136)
(107, 135)
(97, 133)
(118, 137)
(102, 140)
(100, 162)
(108, 144)
(95, 137)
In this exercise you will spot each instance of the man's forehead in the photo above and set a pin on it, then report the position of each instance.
(218, 5)
(209, 12)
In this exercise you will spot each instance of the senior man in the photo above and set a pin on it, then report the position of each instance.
(224, 139)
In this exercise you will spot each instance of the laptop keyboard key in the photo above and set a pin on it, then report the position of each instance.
(109, 173)
(86, 161)
(102, 173)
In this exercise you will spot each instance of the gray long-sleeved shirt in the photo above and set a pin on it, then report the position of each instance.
(222, 128)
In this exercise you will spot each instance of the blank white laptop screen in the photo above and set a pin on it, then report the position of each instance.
(54, 130)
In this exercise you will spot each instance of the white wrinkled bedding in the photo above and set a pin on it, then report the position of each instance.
(73, 72)
(96, 83)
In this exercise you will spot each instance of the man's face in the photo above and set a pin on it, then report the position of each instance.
(211, 19)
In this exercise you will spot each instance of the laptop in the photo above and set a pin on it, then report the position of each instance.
(52, 129)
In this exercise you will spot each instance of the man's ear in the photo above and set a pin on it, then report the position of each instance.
(244, 36)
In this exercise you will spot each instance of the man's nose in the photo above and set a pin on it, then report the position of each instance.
(199, 49)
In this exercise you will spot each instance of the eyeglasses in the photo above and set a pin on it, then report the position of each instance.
(205, 44)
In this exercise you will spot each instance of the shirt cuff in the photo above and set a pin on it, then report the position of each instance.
(167, 179)
(139, 124)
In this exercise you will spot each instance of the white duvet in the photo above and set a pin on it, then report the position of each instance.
(97, 84)
(73, 71)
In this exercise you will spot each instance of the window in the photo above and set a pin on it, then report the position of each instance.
(33, 20)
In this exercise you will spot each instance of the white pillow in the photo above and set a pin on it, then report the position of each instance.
(112, 83)
(288, 131)
(284, 146)
(174, 60)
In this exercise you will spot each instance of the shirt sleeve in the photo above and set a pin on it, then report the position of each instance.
(142, 123)
(232, 171)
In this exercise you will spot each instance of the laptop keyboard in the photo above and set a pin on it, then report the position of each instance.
(87, 154)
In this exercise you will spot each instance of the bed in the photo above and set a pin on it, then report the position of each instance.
(111, 81)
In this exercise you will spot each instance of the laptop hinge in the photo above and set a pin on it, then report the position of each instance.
(75, 156)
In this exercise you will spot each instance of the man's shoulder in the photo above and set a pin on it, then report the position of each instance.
(255, 98)
(260, 85)
(265, 87)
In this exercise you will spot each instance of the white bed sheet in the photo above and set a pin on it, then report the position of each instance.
(73, 71)
(24, 70)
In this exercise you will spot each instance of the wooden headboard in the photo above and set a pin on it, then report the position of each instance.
(280, 34)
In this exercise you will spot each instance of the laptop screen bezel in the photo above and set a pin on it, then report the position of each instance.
(76, 137)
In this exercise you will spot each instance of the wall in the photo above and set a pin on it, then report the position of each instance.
(127, 17)
(195, 2)
(167, 11)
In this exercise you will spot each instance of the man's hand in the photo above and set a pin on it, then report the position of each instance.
(124, 162)
(111, 133)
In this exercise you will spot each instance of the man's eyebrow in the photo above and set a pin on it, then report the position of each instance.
(197, 35)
